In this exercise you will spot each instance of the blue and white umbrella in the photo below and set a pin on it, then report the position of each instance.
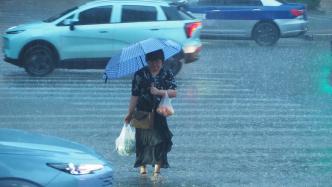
(132, 58)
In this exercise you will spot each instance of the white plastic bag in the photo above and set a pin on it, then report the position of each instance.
(165, 107)
(125, 143)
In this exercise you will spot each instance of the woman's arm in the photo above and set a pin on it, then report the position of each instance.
(170, 92)
(132, 104)
(131, 108)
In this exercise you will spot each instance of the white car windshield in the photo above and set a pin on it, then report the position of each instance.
(53, 18)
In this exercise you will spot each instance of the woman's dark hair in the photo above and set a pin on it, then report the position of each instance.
(155, 55)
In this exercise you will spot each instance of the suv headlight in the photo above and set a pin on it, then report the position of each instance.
(81, 169)
(15, 32)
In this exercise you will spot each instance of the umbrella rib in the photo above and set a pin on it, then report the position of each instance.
(140, 57)
(132, 58)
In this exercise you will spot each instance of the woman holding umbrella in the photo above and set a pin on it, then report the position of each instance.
(149, 85)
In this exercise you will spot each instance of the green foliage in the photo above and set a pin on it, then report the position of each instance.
(312, 4)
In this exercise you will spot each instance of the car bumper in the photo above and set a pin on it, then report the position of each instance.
(15, 62)
(191, 54)
(11, 46)
(9, 56)
(292, 27)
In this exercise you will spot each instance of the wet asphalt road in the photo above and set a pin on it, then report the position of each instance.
(245, 115)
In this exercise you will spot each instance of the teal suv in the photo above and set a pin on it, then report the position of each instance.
(87, 36)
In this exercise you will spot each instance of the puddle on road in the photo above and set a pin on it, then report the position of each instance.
(164, 181)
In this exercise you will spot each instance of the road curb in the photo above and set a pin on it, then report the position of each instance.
(308, 37)
(318, 37)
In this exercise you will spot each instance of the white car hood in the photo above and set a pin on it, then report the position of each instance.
(26, 26)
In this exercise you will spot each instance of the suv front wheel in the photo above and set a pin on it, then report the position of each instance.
(39, 60)
(174, 65)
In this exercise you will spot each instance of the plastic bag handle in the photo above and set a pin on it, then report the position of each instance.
(166, 94)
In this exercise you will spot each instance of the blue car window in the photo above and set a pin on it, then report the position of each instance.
(243, 2)
(211, 2)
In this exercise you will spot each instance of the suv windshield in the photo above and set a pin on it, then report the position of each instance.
(53, 18)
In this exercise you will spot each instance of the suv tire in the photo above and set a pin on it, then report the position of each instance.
(266, 34)
(39, 60)
(174, 65)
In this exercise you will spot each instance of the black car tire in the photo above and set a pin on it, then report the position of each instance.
(266, 34)
(39, 60)
(174, 65)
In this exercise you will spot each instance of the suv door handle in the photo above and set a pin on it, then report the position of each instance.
(154, 29)
(256, 9)
(103, 32)
(215, 10)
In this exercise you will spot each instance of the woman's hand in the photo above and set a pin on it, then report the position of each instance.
(156, 91)
(128, 118)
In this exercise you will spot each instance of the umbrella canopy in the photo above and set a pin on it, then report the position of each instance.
(132, 58)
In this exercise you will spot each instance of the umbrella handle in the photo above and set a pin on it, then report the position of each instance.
(105, 77)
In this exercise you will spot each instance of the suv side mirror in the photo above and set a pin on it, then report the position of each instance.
(71, 23)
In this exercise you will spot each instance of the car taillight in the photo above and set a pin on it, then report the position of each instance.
(296, 12)
(191, 27)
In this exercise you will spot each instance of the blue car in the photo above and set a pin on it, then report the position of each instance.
(34, 160)
(264, 21)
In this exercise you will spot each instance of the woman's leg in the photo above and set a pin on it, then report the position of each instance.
(143, 169)
(156, 174)
(157, 169)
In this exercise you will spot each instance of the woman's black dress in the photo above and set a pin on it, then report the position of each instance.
(152, 145)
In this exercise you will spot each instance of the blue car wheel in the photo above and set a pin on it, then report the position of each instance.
(266, 34)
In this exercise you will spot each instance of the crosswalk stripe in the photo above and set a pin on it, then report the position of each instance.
(202, 116)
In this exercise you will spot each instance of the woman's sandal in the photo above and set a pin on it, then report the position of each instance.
(143, 173)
